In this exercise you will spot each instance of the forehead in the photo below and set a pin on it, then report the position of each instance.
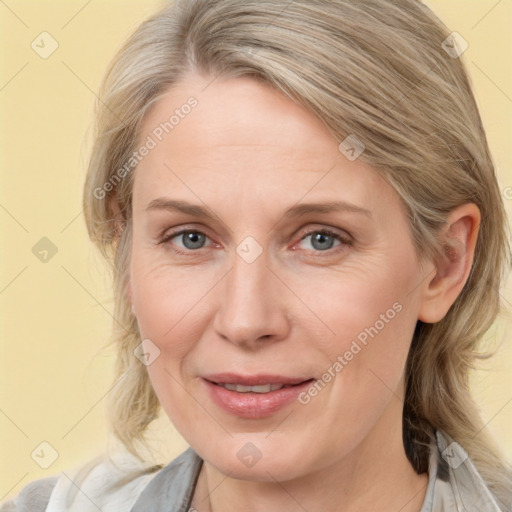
(243, 137)
(237, 111)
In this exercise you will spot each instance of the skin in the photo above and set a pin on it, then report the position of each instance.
(248, 154)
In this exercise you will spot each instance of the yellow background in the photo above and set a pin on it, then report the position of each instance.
(56, 316)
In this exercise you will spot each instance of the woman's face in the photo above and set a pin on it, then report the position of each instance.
(296, 266)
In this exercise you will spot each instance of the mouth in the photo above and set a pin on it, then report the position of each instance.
(255, 383)
(254, 397)
(265, 388)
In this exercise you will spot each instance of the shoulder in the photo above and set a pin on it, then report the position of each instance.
(455, 483)
(33, 497)
(108, 483)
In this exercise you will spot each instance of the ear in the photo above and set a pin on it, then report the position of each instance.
(458, 240)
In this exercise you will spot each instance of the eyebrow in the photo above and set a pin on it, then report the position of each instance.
(298, 210)
(162, 203)
(331, 207)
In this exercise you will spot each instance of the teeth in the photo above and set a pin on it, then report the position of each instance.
(252, 389)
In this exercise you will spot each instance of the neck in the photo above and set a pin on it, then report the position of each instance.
(376, 475)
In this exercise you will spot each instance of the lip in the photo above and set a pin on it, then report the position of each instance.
(254, 380)
(254, 405)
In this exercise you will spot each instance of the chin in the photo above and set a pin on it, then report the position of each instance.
(256, 458)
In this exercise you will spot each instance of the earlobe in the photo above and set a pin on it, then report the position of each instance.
(453, 264)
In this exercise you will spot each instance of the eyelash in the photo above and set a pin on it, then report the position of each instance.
(344, 241)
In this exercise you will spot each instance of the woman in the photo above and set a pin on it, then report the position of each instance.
(304, 222)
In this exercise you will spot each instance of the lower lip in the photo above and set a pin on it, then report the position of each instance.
(254, 405)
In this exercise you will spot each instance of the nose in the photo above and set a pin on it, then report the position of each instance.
(251, 306)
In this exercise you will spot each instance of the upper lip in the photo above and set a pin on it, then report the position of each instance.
(254, 380)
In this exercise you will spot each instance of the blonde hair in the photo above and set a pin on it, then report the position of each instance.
(375, 69)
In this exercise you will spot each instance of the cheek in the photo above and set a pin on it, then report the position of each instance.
(365, 301)
(169, 304)
(171, 311)
(371, 315)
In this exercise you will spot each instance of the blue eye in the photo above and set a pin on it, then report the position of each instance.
(323, 240)
(189, 239)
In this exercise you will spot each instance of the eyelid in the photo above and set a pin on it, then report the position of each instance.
(342, 235)
(169, 235)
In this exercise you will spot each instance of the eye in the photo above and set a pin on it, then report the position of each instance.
(187, 239)
(322, 240)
